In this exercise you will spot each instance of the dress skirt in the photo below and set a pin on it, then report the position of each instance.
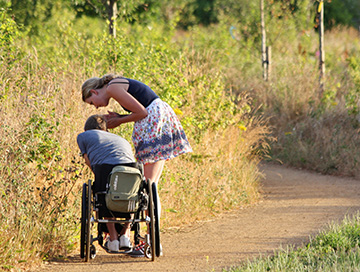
(160, 135)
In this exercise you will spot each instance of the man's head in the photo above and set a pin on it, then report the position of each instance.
(96, 121)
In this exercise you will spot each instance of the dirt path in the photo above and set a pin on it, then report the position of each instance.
(296, 204)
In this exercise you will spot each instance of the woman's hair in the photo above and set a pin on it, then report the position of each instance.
(96, 121)
(96, 83)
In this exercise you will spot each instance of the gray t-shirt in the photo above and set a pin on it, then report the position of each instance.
(103, 147)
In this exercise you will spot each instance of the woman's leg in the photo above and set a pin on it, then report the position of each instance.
(153, 170)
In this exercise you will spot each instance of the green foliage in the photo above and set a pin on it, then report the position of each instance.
(40, 134)
(34, 15)
(35, 203)
(352, 97)
(341, 12)
(200, 73)
(198, 12)
(9, 35)
(126, 10)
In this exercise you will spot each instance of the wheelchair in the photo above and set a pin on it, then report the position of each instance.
(145, 219)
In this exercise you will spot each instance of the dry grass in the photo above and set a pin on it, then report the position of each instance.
(327, 144)
(42, 113)
(41, 172)
(314, 130)
(38, 124)
(222, 174)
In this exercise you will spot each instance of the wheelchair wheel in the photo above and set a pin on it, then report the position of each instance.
(88, 224)
(157, 219)
(86, 250)
(84, 219)
(152, 222)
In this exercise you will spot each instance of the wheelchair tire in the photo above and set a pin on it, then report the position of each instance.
(157, 219)
(152, 221)
(84, 219)
(88, 224)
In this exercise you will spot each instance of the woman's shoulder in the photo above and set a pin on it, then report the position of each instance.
(119, 80)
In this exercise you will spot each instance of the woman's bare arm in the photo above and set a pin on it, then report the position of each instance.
(127, 101)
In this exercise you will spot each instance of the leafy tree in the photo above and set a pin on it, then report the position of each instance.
(342, 12)
(109, 10)
(166, 12)
(34, 13)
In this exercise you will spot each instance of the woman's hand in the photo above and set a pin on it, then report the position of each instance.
(113, 119)
(111, 114)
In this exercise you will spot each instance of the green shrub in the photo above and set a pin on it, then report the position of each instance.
(10, 34)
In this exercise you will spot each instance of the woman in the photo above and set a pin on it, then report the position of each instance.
(157, 134)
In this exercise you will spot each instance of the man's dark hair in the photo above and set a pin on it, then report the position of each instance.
(96, 121)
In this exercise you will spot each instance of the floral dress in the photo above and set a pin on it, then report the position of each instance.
(160, 135)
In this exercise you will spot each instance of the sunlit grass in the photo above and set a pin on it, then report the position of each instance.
(334, 249)
(41, 170)
(220, 97)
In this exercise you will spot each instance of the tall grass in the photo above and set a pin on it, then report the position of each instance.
(42, 113)
(223, 176)
(315, 130)
(39, 170)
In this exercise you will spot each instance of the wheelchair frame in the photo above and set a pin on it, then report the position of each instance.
(90, 216)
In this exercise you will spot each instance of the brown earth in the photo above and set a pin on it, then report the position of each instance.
(296, 204)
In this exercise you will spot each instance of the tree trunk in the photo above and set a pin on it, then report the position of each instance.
(268, 62)
(112, 14)
(263, 42)
(321, 47)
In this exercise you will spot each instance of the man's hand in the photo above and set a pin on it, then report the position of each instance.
(87, 161)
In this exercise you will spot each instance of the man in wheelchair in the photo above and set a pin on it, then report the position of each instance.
(103, 151)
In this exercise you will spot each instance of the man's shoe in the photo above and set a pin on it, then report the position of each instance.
(125, 242)
(112, 246)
